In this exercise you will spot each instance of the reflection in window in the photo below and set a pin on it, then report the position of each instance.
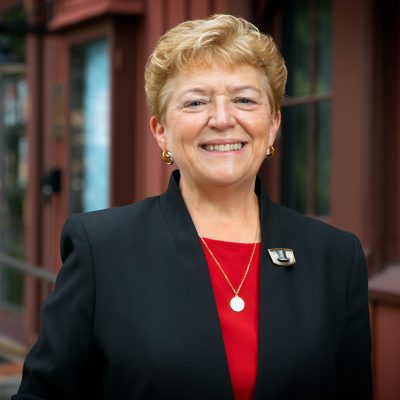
(13, 179)
(90, 125)
(13, 160)
(306, 114)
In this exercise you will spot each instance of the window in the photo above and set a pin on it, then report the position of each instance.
(306, 112)
(13, 162)
(90, 126)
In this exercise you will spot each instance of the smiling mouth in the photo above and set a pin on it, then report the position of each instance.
(223, 147)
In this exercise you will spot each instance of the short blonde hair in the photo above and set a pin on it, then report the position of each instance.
(222, 39)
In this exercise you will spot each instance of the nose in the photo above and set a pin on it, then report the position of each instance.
(221, 116)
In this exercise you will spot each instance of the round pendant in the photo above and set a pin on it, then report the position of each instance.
(237, 304)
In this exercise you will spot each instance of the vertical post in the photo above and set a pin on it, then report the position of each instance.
(352, 115)
(34, 129)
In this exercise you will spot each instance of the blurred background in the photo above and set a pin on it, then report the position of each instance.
(74, 137)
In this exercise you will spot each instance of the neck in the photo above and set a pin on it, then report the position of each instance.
(228, 213)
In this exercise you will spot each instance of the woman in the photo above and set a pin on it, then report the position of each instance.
(209, 291)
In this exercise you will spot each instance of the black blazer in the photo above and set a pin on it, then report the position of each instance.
(133, 314)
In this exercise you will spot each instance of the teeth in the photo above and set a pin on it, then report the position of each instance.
(223, 147)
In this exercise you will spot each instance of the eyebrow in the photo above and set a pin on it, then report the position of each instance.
(195, 90)
(234, 89)
(241, 88)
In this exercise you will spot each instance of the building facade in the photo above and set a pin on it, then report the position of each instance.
(74, 132)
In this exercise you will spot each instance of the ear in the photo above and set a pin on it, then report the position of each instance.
(158, 132)
(273, 129)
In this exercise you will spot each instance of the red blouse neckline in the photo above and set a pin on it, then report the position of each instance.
(239, 329)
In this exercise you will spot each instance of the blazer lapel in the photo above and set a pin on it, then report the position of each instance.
(209, 359)
(277, 322)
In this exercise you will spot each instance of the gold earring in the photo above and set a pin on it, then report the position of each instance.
(167, 157)
(270, 153)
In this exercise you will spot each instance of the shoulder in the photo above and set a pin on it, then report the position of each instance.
(117, 217)
(112, 224)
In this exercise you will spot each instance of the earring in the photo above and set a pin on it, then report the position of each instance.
(167, 157)
(270, 153)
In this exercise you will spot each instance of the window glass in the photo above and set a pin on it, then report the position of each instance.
(90, 126)
(306, 113)
(13, 163)
(324, 47)
(323, 159)
(295, 157)
(297, 42)
(13, 181)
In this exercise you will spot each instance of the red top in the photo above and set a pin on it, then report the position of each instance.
(239, 329)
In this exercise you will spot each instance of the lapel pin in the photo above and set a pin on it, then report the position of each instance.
(282, 257)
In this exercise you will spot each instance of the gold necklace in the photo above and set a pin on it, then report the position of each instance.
(236, 303)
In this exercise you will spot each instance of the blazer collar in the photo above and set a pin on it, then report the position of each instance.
(183, 230)
(178, 218)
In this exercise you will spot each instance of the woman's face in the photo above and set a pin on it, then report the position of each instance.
(218, 124)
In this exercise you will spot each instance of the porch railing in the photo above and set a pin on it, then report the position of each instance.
(27, 268)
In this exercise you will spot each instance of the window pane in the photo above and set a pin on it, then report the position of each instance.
(324, 47)
(90, 123)
(13, 180)
(296, 47)
(295, 157)
(323, 159)
(13, 159)
(307, 48)
(12, 46)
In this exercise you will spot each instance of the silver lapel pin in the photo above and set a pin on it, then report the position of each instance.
(282, 257)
